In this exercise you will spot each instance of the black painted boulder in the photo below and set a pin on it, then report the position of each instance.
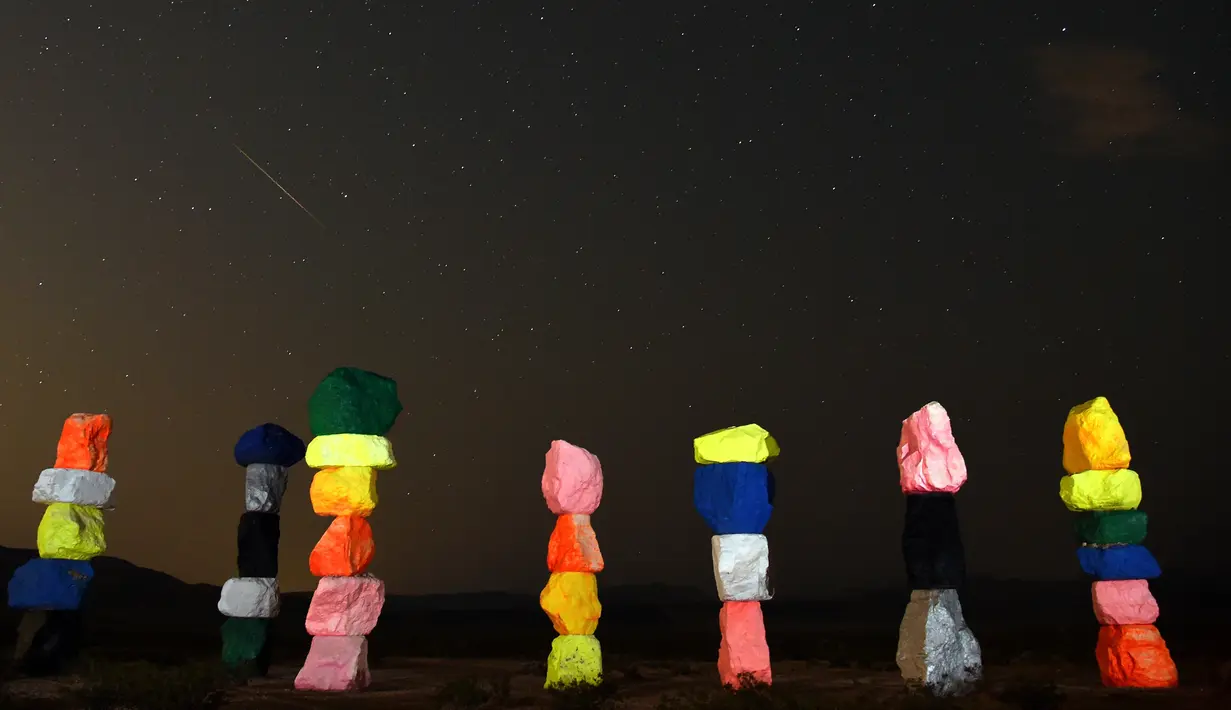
(932, 542)
(258, 544)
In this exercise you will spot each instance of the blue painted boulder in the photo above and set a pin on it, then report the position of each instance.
(734, 498)
(271, 444)
(1107, 564)
(49, 584)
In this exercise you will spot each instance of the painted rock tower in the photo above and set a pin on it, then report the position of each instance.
(936, 650)
(251, 599)
(50, 587)
(733, 490)
(350, 412)
(1105, 493)
(573, 487)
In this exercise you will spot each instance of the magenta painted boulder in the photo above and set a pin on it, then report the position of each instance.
(928, 458)
(1124, 602)
(345, 606)
(572, 480)
(743, 653)
(335, 663)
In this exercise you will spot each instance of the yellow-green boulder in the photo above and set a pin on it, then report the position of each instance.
(740, 444)
(1094, 439)
(574, 660)
(350, 450)
(571, 601)
(71, 532)
(1101, 490)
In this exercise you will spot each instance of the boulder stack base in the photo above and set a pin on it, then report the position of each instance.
(252, 598)
(936, 650)
(49, 588)
(572, 486)
(1105, 493)
(350, 413)
(733, 490)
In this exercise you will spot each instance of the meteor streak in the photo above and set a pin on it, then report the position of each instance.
(279, 185)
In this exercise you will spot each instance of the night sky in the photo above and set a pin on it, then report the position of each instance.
(623, 225)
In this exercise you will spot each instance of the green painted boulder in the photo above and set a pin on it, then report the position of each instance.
(1111, 527)
(245, 646)
(354, 401)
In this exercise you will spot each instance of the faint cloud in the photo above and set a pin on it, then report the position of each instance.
(1110, 101)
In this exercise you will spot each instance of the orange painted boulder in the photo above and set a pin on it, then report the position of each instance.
(83, 442)
(345, 550)
(574, 546)
(1134, 656)
(743, 655)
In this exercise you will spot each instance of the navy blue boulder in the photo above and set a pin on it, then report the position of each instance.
(734, 498)
(1119, 562)
(269, 443)
(49, 584)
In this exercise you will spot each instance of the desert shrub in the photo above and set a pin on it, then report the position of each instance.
(751, 695)
(145, 686)
(582, 696)
(474, 692)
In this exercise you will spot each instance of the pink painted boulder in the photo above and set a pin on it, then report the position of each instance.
(345, 606)
(335, 663)
(743, 652)
(572, 480)
(928, 458)
(1124, 602)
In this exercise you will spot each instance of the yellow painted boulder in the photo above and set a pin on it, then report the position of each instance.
(574, 660)
(350, 450)
(71, 532)
(1094, 439)
(1101, 490)
(740, 444)
(571, 602)
(344, 491)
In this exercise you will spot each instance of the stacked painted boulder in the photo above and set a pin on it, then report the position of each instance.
(573, 488)
(936, 649)
(350, 412)
(50, 587)
(733, 490)
(1105, 494)
(251, 598)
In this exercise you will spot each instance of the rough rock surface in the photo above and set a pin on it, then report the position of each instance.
(345, 606)
(335, 663)
(354, 401)
(935, 647)
(258, 544)
(749, 443)
(1111, 527)
(932, 542)
(743, 652)
(928, 458)
(49, 584)
(741, 567)
(350, 450)
(250, 598)
(345, 550)
(570, 600)
(1124, 602)
(71, 532)
(573, 546)
(1101, 490)
(47, 641)
(264, 487)
(83, 442)
(572, 479)
(1094, 439)
(573, 661)
(74, 485)
(269, 444)
(1118, 562)
(734, 498)
(1135, 657)
(344, 490)
(245, 646)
